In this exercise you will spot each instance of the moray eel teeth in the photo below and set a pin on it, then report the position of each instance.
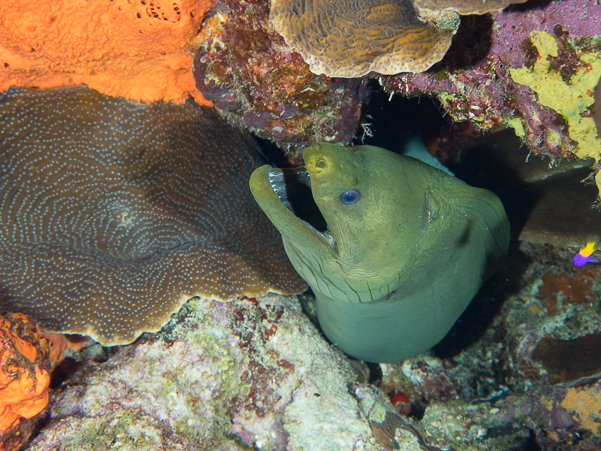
(293, 189)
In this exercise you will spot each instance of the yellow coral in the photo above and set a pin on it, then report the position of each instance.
(586, 404)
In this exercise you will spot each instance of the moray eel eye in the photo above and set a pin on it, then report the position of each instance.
(350, 197)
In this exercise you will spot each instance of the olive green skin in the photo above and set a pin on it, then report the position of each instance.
(407, 257)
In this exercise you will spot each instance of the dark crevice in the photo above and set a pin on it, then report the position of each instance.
(293, 188)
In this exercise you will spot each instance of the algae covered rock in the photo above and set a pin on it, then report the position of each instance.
(222, 376)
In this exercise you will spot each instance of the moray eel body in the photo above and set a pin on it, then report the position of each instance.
(393, 248)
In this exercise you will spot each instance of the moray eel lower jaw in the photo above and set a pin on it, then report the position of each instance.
(279, 192)
(286, 197)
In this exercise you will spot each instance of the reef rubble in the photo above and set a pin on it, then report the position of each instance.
(226, 376)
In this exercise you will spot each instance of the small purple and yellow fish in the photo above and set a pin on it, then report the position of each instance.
(584, 256)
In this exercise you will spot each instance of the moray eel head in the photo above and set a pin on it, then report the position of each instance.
(393, 248)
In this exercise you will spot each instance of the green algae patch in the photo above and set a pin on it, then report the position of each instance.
(571, 99)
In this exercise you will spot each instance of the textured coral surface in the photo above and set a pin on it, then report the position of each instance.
(353, 38)
(531, 67)
(126, 210)
(566, 90)
(222, 376)
(257, 373)
(138, 49)
(24, 371)
(244, 67)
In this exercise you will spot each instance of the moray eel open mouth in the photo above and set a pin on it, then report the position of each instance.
(293, 189)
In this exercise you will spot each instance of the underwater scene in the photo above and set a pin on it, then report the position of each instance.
(300, 225)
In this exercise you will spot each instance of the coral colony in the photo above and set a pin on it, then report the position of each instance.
(128, 213)
(127, 218)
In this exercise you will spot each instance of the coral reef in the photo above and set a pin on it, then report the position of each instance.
(353, 38)
(565, 89)
(24, 377)
(171, 181)
(532, 67)
(389, 428)
(512, 401)
(139, 50)
(116, 212)
(247, 71)
(257, 373)
(222, 376)
(585, 404)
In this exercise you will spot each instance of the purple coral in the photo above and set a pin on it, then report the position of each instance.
(473, 81)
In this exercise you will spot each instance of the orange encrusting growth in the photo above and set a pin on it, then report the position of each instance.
(24, 379)
(59, 343)
(137, 49)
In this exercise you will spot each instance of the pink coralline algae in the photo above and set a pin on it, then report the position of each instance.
(501, 66)
(247, 71)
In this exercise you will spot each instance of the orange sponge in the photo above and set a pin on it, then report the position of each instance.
(136, 49)
(24, 377)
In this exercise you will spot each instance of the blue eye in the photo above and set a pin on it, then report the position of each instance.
(350, 197)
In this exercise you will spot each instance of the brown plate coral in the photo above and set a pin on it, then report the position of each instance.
(115, 212)
(352, 38)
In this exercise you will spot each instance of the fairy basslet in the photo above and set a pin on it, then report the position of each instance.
(584, 256)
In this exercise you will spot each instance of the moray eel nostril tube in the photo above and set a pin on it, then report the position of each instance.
(393, 248)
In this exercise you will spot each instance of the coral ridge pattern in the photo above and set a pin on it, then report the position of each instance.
(351, 38)
(114, 213)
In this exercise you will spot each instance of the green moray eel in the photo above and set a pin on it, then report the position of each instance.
(394, 249)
